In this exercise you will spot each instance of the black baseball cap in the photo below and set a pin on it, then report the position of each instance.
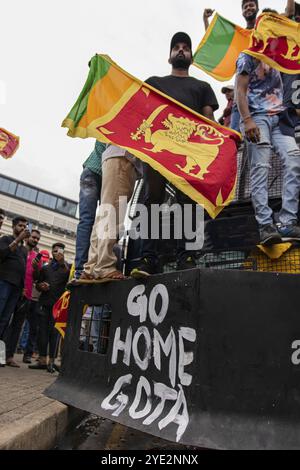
(180, 37)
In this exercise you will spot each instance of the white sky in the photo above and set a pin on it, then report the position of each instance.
(45, 49)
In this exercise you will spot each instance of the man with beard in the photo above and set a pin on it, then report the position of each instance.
(12, 270)
(199, 96)
(26, 308)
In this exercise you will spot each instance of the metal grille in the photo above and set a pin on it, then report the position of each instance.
(276, 260)
(243, 191)
(95, 326)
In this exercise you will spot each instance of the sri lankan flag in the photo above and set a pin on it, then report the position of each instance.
(9, 143)
(60, 312)
(195, 154)
(219, 49)
(276, 41)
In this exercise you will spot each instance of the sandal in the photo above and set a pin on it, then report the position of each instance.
(86, 278)
(114, 276)
(12, 363)
(90, 279)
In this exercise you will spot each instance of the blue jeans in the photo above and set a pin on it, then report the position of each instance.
(98, 326)
(90, 189)
(235, 118)
(97, 329)
(9, 296)
(261, 153)
(24, 336)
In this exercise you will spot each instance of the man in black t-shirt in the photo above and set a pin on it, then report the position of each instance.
(12, 270)
(199, 96)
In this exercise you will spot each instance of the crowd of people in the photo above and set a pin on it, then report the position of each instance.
(261, 105)
(31, 281)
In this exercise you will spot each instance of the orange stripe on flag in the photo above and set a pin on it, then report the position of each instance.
(226, 68)
(105, 94)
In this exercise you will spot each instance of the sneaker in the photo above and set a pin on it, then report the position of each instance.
(145, 269)
(26, 359)
(38, 366)
(11, 363)
(187, 263)
(289, 232)
(269, 235)
(52, 367)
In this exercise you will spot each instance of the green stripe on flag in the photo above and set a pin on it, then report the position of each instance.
(213, 51)
(98, 69)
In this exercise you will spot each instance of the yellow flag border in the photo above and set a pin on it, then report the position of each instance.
(60, 327)
(272, 63)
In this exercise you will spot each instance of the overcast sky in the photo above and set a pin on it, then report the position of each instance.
(45, 49)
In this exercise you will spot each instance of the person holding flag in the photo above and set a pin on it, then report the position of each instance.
(199, 96)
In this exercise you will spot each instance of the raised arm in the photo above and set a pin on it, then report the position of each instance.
(208, 12)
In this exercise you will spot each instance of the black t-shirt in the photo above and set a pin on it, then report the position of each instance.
(193, 93)
(290, 88)
(12, 263)
(288, 118)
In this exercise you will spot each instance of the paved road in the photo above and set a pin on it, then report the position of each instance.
(21, 396)
(21, 392)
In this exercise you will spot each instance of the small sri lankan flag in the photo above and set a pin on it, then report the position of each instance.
(276, 41)
(219, 49)
(9, 143)
(196, 155)
(60, 312)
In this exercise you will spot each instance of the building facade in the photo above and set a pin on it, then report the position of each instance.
(53, 215)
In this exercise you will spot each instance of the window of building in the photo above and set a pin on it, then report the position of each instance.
(27, 193)
(7, 186)
(66, 207)
(46, 200)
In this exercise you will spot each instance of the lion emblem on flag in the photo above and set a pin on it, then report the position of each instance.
(175, 138)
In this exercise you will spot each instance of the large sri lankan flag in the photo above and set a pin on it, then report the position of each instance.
(219, 49)
(276, 41)
(9, 143)
(195, 154)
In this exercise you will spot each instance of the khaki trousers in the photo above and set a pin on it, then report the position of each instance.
(118, 179)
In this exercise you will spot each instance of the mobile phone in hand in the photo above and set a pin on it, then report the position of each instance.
(38, 257)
